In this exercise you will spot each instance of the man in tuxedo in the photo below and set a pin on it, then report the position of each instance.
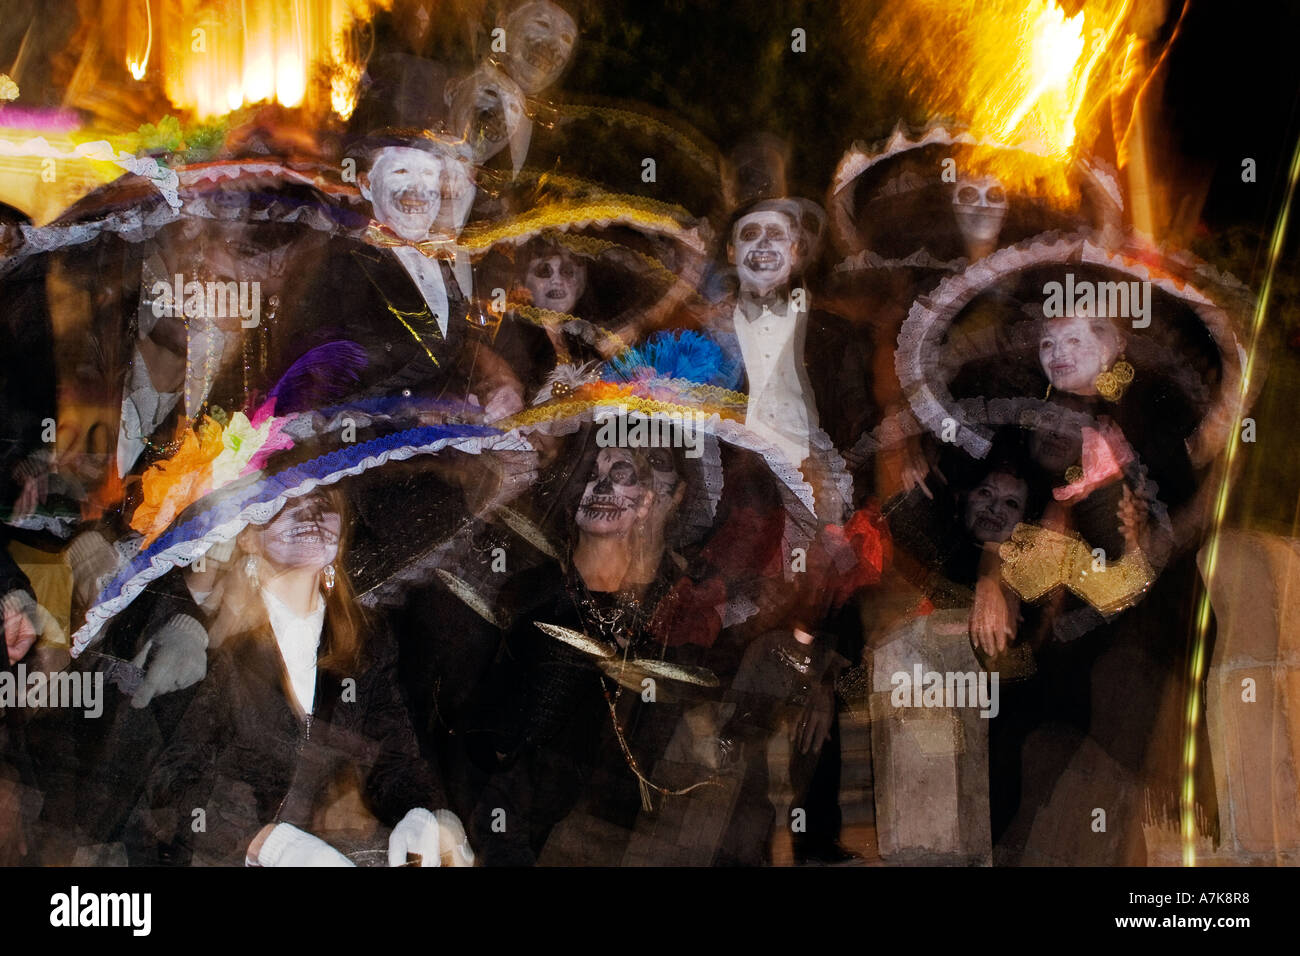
(805, 373)
(400, 292)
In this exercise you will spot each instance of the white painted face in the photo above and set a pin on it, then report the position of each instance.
(458, 191)
(539, 41)
(556, 282)
(980, 206)
(994, 507)
(304, 534)
(615, 497)
(405, 188)
(764, 250)
(488, 108)
(1072, 354)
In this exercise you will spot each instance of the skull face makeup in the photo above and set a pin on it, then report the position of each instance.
(405, 188)
(539, 42)
(556, 282)
(980, 206)
(1074, 351)
(618, 494)
(488, 108)
(304, 535)
(764, 247)
(994, 507)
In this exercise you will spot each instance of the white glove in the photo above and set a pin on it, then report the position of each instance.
(286, 845)
(426, 833)
(181, 659)
(93, 560)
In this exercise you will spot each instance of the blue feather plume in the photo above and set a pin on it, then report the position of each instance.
(681, 354)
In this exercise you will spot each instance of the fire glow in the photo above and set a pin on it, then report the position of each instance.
(1017, 71)
(225, 54)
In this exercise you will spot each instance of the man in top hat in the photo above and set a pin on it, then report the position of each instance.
(803, 369)
(805, 372)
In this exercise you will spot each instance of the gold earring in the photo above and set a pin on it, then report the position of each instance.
(1112, 382)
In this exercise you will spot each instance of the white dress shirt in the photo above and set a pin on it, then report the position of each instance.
(299, 641)
(780, 407)
(426, 273)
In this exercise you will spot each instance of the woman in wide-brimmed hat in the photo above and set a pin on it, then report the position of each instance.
(1125, 368)
(297, 660)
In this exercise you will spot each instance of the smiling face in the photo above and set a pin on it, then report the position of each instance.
(539, 42)
(488, 107)
(1074, 351)
(994, 507)
(764, 249)
(303, 535)
(405, 188)
(556, 282)
(619, 493)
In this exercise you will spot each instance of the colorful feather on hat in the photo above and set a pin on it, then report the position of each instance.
(674, 355)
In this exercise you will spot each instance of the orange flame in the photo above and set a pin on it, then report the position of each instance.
(137, 61)
(223, 54)
(1017, 71)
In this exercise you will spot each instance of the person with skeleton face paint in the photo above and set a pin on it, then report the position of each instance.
(488, 108)
(980, 205)
(403, 294)
(539, 43)
(802, 368)
(542, 754)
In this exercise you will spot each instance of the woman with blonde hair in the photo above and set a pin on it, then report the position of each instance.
(301, 706)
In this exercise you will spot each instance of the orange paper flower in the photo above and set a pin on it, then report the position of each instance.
(171, 486)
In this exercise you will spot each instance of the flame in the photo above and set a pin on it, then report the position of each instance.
(223, 54)
(1021, 72)
(136, 65)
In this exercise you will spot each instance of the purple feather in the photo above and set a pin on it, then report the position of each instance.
(320, 376)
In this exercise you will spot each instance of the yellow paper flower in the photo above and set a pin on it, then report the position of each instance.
(240, 441)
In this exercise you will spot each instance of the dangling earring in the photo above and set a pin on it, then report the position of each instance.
(329, 577)
(250, 571)
(1111, 383)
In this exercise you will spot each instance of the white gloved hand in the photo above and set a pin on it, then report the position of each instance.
(181, 659)
(286, 845)
(426, 834)
(93, 560)
(453, 839)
